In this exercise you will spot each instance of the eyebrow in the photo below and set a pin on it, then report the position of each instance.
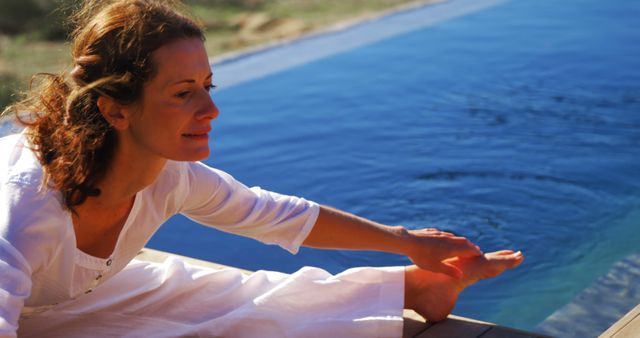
(190, 80)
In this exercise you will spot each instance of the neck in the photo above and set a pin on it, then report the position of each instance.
(129, 172)
(99, 221)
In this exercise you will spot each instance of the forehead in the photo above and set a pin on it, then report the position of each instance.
(183, 58)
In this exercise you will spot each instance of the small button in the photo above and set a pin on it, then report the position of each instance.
(109, 261)
(88, 291)
(99, 276)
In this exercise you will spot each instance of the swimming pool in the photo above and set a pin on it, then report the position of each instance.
(515, 123)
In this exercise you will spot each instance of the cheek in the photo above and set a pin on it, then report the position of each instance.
(164, 117)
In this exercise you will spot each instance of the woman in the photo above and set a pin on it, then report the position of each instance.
(110, 152)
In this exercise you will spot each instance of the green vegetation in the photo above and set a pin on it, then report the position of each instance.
(36, 19)
(33, 32)
(8, 83)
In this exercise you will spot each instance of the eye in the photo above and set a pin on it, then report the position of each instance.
(210, 87)
(183, 94)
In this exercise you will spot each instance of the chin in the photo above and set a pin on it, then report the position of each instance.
(201, 155)
(190, 156)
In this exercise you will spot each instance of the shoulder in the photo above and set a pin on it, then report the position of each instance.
(184, 185)
(18, 163)
(20, 180)
(172, 188)
(185, 174)
(32, 220)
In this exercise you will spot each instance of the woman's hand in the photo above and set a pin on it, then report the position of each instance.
(429, 248)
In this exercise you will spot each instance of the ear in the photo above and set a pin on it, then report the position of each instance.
(113, 112)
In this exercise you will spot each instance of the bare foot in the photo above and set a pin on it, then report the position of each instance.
(433, 295)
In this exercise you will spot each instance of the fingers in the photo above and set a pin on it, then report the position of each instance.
(446, 243)
(434, 246)
(432, 232)
(436, 232)
(465, 247)
(462, 247)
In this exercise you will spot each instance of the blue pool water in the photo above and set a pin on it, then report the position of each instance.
(515, 124)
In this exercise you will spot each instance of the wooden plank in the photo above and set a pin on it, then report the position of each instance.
(631, 317)
(412, 327)
(631, 330)
(157, 256)
(413, 315)
(454, 317)
(414, 324)
(504, 332)
(456, 327)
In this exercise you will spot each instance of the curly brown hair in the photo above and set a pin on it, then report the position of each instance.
(112, 46)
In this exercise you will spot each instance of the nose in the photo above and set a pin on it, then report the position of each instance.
(208, 109)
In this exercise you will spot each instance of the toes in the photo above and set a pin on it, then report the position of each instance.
(519, 258)
(504, 259)
(510, 259)
(502, 253)
(515, 255)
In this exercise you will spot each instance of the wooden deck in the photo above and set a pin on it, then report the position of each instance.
(414, 325)
(627, 327)
(459, 327)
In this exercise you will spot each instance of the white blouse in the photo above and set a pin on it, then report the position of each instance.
(41, 266)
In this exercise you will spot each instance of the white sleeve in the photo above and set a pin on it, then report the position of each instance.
(31, 228)
(15, 287)
(216, 199)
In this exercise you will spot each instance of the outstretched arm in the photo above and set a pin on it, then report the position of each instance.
(427, 248)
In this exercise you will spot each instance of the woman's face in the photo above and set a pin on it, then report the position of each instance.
(172, 118)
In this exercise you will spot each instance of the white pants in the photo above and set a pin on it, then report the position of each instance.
(176, 299)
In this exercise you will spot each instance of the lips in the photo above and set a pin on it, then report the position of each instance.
(198, 133)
